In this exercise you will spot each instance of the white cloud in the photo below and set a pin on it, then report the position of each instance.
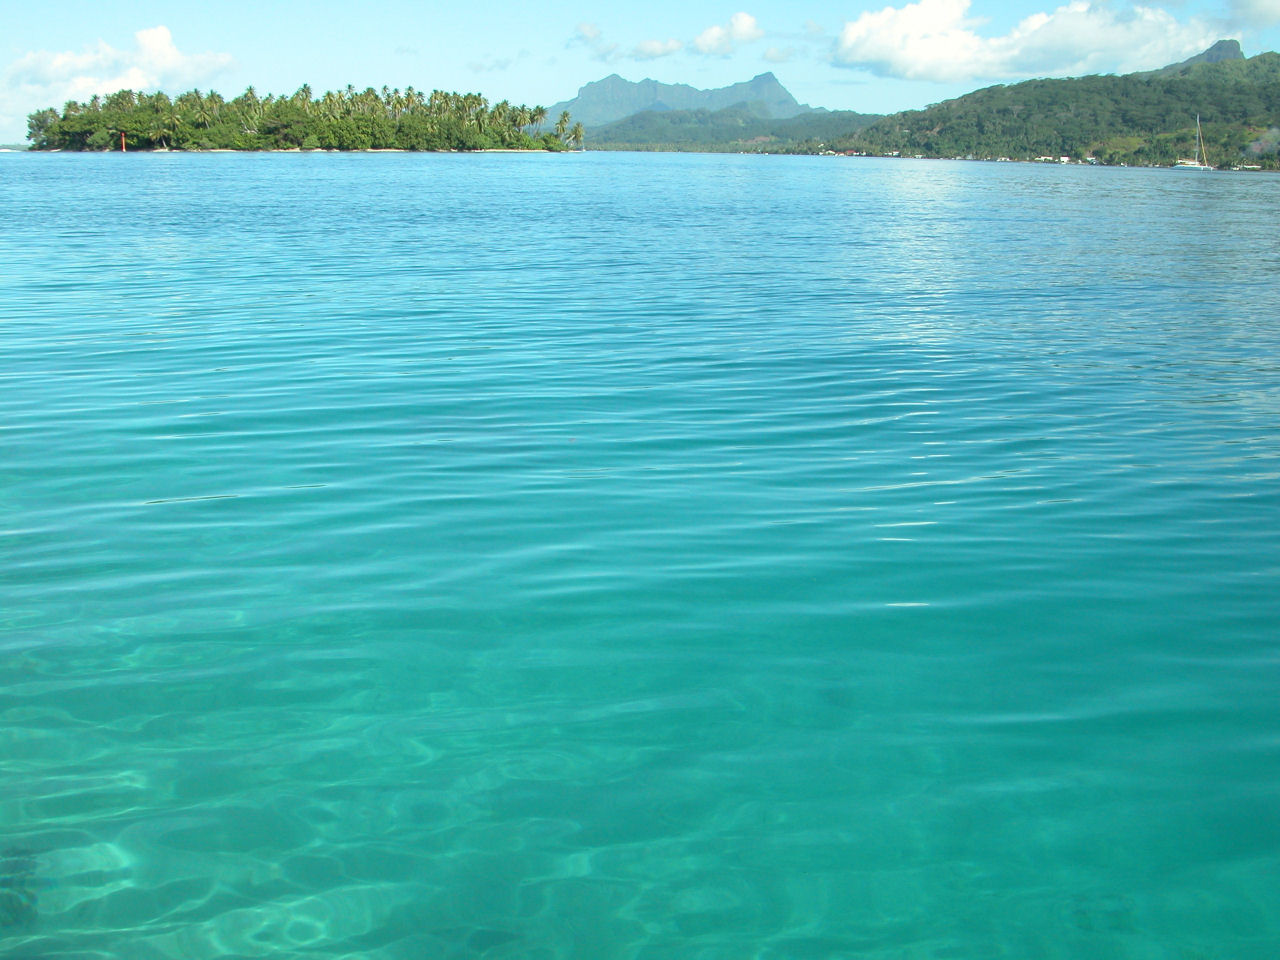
(776, 55)
(42, 78)
(1256, 14)
(590, 36)
(653, 49)
(497, 64)
(743, 27)
(720, 40)
(937, 40)
(155, 62)
(713, 40)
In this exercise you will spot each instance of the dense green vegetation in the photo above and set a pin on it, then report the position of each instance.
(345, 120)
(740, 128)
(1141, 118)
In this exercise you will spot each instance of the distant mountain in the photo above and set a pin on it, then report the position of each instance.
(734, 129)
(1138, 119)
(614, 98)
(1222, 50)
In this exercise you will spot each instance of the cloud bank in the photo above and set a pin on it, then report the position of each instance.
(718, 40)
(590, 35)
(43, 78)
(153, 63)
(937, 40)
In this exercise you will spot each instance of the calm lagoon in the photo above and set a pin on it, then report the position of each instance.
(637, 556)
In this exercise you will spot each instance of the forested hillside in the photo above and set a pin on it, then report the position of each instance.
(739, 128)
(1143, 118)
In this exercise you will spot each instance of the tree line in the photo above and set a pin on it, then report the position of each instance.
(347, 119)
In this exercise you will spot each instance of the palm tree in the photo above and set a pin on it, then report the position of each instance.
(538, 114)
(121, 100)
(500, 115)
(331, 105)
(576, 135)
(250, 109)
(473, 110)
(193, 109)
(369, 102)
(214, 103)
(562, 125)
(203, 113)
(169, 125)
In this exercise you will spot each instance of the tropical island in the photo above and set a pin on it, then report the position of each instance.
(342, 120)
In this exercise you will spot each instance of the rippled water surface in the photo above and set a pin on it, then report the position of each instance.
(622, 556)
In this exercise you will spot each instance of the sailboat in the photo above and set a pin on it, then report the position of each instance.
(1199, 162)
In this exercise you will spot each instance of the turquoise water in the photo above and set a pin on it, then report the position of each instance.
(625, 556)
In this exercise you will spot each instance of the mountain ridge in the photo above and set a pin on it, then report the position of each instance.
(614, 98)
(1228, 49)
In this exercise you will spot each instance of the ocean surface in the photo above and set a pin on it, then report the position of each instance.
(637, 557)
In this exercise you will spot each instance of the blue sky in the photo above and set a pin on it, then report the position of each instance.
(872, 57)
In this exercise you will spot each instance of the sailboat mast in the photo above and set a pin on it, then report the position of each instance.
(1201, 161)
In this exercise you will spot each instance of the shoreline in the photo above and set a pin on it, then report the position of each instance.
(288, 150)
